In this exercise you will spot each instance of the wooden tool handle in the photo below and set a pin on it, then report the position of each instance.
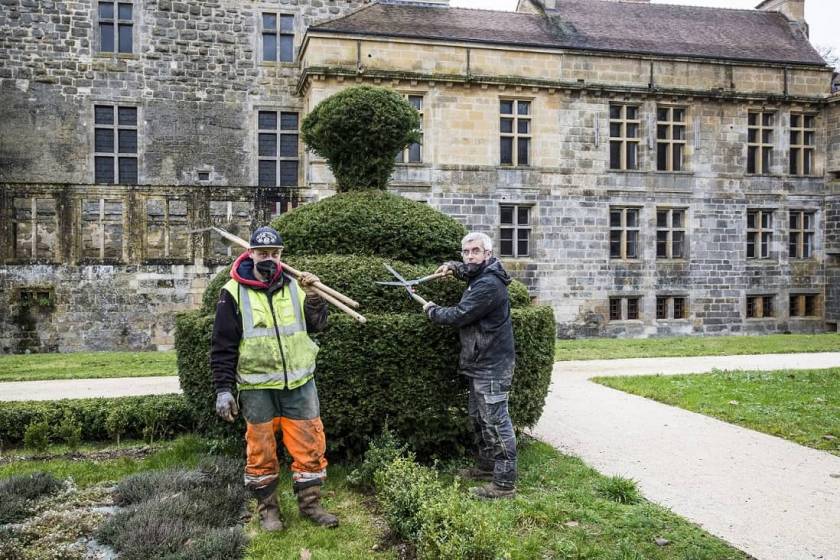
(324, 288)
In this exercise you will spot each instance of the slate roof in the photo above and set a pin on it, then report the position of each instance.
(595, 25)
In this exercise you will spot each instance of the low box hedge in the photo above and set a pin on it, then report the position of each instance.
(397, 367)
(147, 416)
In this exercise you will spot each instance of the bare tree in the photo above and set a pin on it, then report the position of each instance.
(830, 55)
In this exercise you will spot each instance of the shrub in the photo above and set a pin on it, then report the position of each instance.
(69, 431)
(17, 492)
(171, 412)
(371, 223)
(382, 451)
(402, 488)
(37, 435)
(398, 368)
(359, 131)
(356, 278)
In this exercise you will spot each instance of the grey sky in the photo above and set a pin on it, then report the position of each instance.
(823, 16)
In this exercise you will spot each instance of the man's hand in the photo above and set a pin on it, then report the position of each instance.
(444, 269)
(226, 406)
(428, 305)
(307, 282)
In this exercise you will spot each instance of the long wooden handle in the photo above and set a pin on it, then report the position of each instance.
(326, 289)
(419, 299)
(296, 273)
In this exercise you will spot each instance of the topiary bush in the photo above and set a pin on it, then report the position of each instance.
(371, 223)
(359, 131)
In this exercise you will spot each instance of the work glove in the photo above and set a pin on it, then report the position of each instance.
(307, 282)
(428, 306)
(226, 406)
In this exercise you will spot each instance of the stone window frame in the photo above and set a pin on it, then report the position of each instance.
(519, 232)
(760, 234)
(622, 139)
(278, 32)
(516, 135)
(801, 302)
(624, 307)
(671, 232)
(761, 141)
(672, 307)
(168, 226)
(802, 233)
(135, 22)
(115, 127)
(34, 221)
(404, 157)
(669, 137)
(803, 153)
(123, 222)
(624, 232)
(760, 306)
(279, 132)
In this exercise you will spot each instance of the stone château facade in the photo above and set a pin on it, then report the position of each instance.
(674, 172)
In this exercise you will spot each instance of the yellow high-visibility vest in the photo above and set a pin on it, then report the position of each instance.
(275, 351)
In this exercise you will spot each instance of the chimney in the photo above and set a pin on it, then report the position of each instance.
(794, 10)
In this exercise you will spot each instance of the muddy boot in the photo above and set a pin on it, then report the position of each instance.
(268, 508)
(309, 503)
(475, 473)
(493, 491)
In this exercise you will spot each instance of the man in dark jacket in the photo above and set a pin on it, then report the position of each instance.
(261, 347)
(487, 359)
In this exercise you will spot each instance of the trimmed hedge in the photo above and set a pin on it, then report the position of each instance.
(152, 416)
(398, 368)
(371, 223)
(356, 278)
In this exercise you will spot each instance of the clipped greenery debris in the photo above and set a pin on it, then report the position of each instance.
(371, 223)
(359, 131)
(397, 368)
(180, 514)
(18, 492)
(155, 416)
(356, 277)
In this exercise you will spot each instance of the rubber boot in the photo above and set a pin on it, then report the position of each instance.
(309, 503)
(476, 473)
(493, 491)
(268, 508)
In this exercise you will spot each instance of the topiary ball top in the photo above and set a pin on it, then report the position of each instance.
(371, 223)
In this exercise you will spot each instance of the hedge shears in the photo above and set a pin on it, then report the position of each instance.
(409, 284)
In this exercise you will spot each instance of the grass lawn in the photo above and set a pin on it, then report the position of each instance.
(613, 348)
(82, 365)
(799, 405)
(564, 510)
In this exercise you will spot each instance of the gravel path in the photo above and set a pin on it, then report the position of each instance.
(771, 498)
(87, 388)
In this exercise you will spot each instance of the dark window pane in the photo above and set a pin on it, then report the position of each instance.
(615, 244)
(506, 151)
(661, 244)
(767, 302)
(752, 136)
(615, 218)
(793, 245)
(807, 221)
(677, 163)
(751, 153)
(127, 116)
(287, 24)
(267, 173)
(506, 107)
(767, 119)
(127, 141)
(632, 218)
(523, 126)
(106, 37)
(287, 48)
(615, 155)
(104, 140)
(793, 306)
(632, 130)
(631, 155)
(750, 307)
(416, 101)
(632, 113)
(126, 42)
(106, 10)
(807, 245)
(615, 111)
(751, 220)
(678, 218)
(288, 121)
(810, 305)
(524, 108)
(662, 157)
(288, 173)
(506, 125)
(766, 220)
(632, 244)
(104, 169)
(766, 136)
(523, 247)
(288, 145)
(268, 120)
(752, 119)
(506, 215)
(269, 22)
(662, 132)
(415, 154)
(269, 47)
(679, 115)
(678, 133)
(632, 308)
(662, 114)
(523, 215)
(678, 245)
(679, 308)
(661, 308)
(615, 309)
(662, 218)
(794, 220)
(128, 170)
(522, 152)
(103, 114)
(267, 145)
(794, 120)
(807, 162)
(792, 162)
(506, 246)
(125, 11)
(615, 130)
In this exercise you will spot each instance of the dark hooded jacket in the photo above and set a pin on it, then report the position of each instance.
(483, 317)
(227, 328)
